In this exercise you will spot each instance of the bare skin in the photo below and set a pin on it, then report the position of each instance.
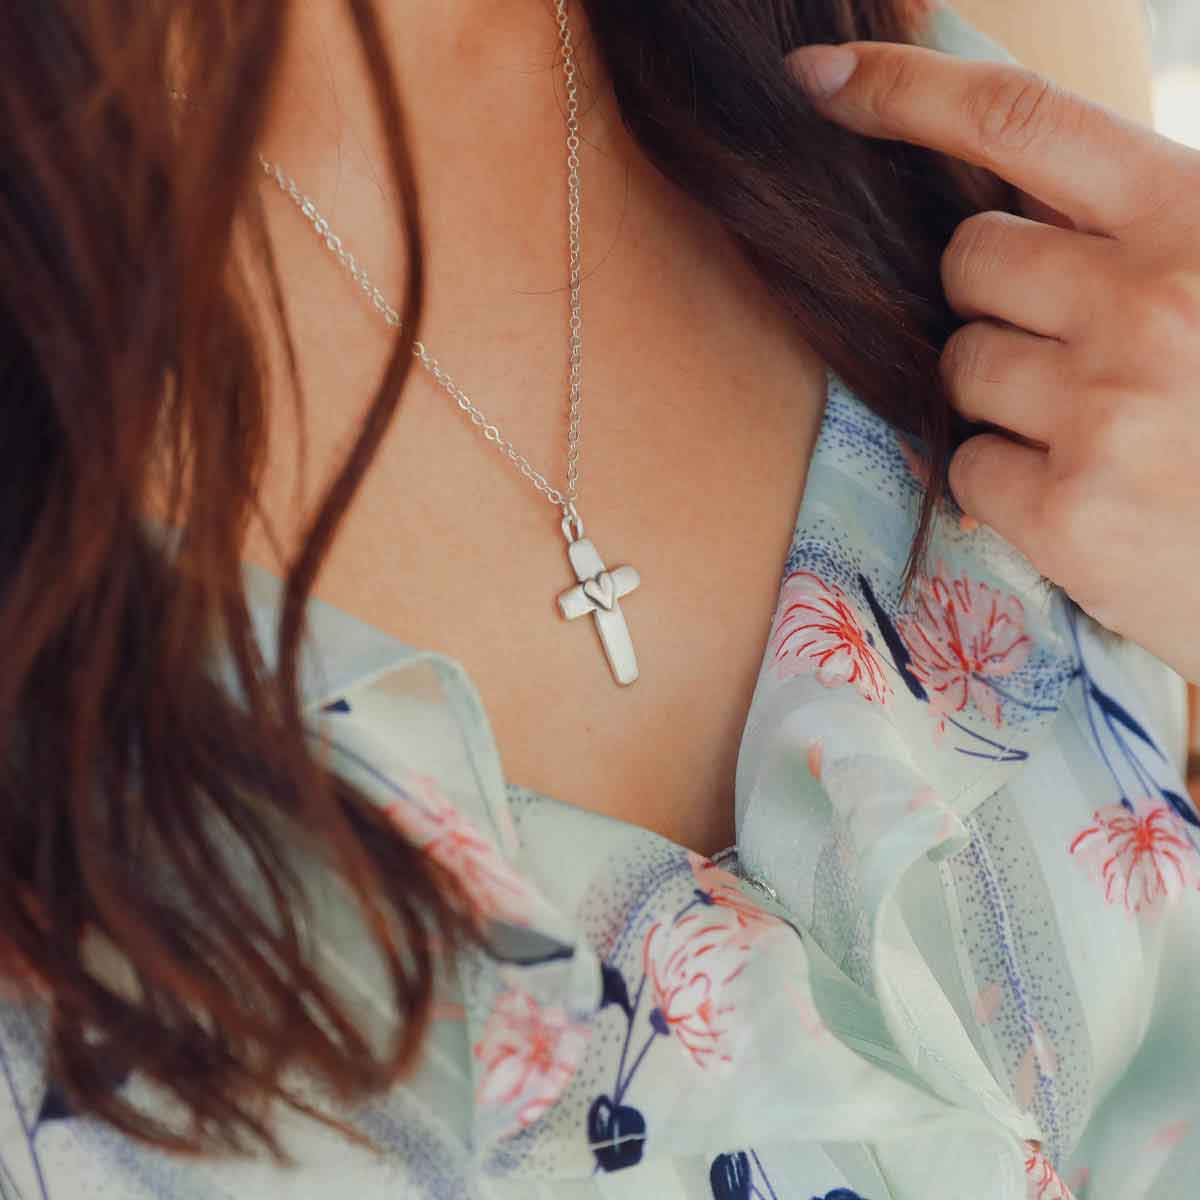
(701, 402)
(701, 407)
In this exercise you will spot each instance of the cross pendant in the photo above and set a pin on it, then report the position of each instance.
(598, 593)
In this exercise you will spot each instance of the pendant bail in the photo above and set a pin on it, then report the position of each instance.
(571, 518)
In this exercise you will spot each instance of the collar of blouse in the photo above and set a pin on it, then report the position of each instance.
(878, 725)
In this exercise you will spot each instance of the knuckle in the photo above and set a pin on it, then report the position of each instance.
(1067, 519)
(1013, 110)
(977, 248)
(1107, 438)
(1168, 171)
(965, 462)
(965, 357)
(1183, 165)
(1092, 308)
(896, 80)
(1165, 314)
(1118, 431)
(975, 469)
(977, 353)
(964, 475)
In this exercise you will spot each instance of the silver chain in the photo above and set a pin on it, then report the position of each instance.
(561, 499)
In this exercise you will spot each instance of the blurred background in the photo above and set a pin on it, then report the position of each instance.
(1176, 40)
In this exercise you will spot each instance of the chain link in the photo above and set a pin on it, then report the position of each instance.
(561, 499)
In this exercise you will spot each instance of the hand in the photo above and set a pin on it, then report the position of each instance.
(1084, 329)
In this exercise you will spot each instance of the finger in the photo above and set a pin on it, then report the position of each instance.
(1037, 210)
(1007, 378)
(1104, 172)
(1043, 279)
(1001, 484)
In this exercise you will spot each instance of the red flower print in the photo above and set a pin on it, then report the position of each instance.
(962, 634)
(493, 887)
(816, 631)
(1141, 854)
(529, 1054)
(721, 889)
(1042, 1180)
(816, 753)
(690, 965)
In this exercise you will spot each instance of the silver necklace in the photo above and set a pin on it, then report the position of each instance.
(598, 591)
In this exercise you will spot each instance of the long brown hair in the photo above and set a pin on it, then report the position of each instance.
(130, 360)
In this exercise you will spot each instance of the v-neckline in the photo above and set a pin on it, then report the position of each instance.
(728, 852)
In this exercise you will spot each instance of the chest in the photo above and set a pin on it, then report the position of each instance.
(698, 426)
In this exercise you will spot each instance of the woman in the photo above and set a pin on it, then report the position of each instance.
(936, 938)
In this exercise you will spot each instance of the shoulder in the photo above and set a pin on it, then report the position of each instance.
(1098, 48)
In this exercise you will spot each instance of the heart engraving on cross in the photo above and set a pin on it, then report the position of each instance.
(597, 594)
(600, 591)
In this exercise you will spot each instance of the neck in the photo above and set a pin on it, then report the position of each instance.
(466, 70)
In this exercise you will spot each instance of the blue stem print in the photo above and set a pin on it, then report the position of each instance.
(901, 659)
(1006, 695)
(901, 663)
(740, 1176)
(763, 1175)
(8, 1186)
(616, 1134)
(730, 1177)
(623, 1081)
(1128, 752)
(996, 752)
(617, 1131)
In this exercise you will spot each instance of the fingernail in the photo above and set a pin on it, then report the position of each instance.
(823, 70)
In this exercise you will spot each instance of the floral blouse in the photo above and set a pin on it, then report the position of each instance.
(955, 952)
